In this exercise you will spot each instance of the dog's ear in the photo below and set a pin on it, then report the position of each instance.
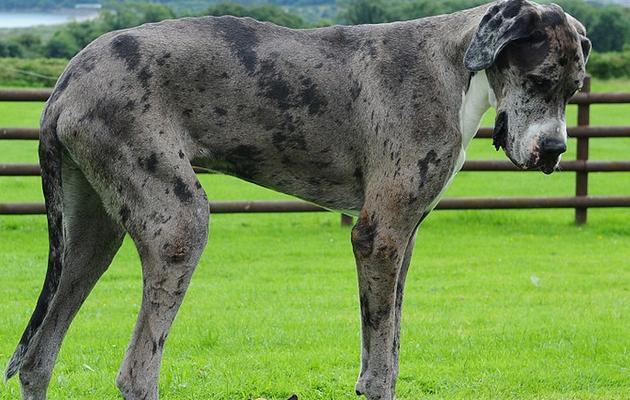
(504, 22)
(581, 30)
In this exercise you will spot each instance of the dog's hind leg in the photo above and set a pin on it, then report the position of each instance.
(91, 239)
(155, 192)
(170, 232)
(147, 183)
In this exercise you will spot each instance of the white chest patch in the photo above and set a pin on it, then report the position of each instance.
(475, 102)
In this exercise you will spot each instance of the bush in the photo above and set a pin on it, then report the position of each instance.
(610, 65)
(34, 72)
(126, 15)
(10, 49)
(61, 45)
(268, 13)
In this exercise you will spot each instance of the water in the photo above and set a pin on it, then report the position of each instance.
(9, 19)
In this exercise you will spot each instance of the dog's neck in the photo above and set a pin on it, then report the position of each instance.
(476, 100)
(477, 94)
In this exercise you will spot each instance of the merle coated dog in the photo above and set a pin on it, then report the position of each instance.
(372, 120)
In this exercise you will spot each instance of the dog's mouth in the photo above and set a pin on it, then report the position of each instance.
(499, 138)
(546, 164)
(549, 166)
(499, 134)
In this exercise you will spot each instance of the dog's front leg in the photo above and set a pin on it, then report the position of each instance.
(380, 242)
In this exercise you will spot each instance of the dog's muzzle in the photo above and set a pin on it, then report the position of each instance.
(549, 154)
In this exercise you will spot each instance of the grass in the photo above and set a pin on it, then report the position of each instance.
(499, 304)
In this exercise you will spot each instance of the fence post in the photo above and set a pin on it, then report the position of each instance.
(581, 177)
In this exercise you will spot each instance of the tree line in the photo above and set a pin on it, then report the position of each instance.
(607, 25)
(175, 4)
(69, 39)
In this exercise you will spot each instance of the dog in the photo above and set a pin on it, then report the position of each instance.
(372, 120)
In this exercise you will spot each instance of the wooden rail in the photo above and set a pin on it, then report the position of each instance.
(582, 166)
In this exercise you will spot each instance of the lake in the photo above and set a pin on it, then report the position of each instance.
(20, 19)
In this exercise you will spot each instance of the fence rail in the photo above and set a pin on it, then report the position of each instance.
(476, 165)
(483, 133)
(582, 166)
(462, 203)
(584, 97)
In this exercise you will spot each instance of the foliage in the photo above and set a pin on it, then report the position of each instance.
(179, 5)
(31, 72)
(610, 65)
(612, 29)
(262, 13)
(125, 15)
(37, 4)
(72, 37)
(366, 12)
(607, 25)
(10, 49)
(376, 11)
(23, 45)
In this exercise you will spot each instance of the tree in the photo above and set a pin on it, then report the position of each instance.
(61, 45)
(267, 12)
(126, 15)
(26, 45)
(10, 49)
(365, 12)
(611, 30)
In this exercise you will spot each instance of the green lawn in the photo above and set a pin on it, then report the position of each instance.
(499, 305)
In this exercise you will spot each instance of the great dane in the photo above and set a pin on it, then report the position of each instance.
(372, 120)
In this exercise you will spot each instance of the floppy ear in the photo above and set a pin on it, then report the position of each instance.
(584, 42)
(505, 22)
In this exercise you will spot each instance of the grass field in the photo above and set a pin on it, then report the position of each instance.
(499, 304)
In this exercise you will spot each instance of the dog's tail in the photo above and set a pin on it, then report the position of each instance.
(50, 154)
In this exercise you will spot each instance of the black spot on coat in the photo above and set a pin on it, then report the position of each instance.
(272, 86)
(144, 76)
(182, 191)
(127, 48)
(242, 40)
(124, 213)
(363, 235)
(311, 97)
(424, 165)
(152, 162)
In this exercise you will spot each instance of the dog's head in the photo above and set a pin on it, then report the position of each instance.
(534, 56)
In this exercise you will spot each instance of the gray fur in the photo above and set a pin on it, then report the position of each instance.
(362, 119)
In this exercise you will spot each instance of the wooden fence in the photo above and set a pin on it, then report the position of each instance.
(582, 166)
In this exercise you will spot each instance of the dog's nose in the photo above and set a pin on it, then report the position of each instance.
(552, 148)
